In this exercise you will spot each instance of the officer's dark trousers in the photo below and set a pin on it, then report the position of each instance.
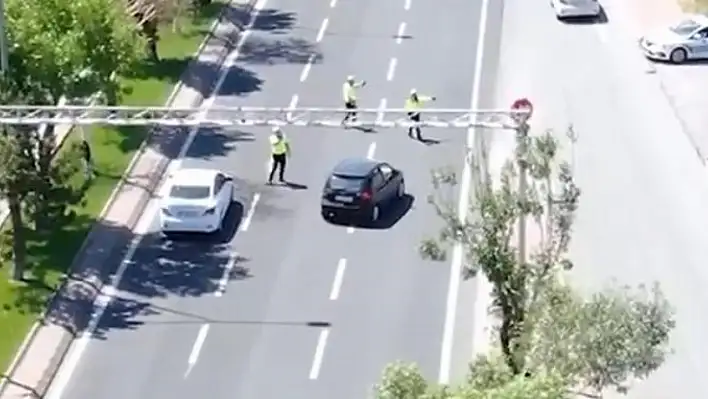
(279, 161)
(352, 114)
(414, 117)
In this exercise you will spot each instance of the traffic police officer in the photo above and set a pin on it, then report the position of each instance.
(349, 94)
(280, 151)
(413, 104)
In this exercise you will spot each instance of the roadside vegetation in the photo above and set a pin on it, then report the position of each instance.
(550, 340)
(74, 49)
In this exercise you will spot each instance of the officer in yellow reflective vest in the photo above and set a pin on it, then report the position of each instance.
(349, 95)
(280, 151)
(413, 104)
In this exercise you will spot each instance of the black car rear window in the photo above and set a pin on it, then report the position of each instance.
(349, 183)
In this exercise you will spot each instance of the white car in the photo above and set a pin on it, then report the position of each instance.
(576, 8)
(195, 200)
(683, 41)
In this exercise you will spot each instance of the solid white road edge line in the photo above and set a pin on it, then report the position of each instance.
(67, 368)
(319, 354)
(251, 210)
(197, 348)
(391, 69)
(338, 279)
(226, 275)
(323, 28)
(480, 317)
(401, 32)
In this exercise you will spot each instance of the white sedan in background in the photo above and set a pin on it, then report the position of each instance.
(195, 200)
(683, 41)
(576, 8)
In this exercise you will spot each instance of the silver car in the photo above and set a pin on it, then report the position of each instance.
(686, 40)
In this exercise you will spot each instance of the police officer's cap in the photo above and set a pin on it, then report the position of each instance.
(276, 129)
(350, 78)
(414, 91)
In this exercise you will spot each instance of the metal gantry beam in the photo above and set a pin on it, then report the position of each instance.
(248, 116)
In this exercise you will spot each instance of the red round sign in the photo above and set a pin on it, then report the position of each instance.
(522, 104)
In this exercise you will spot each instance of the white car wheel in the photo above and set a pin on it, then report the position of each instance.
(678, 56)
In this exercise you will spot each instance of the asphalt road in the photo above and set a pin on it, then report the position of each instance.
(290, 306)
(643, 214)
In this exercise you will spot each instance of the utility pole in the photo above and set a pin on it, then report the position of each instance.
(4, 61)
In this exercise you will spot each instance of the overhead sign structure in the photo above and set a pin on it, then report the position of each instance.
(247, 116)
(522, 109)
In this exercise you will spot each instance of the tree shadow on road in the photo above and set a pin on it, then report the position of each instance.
(280, 51)
(269, 19)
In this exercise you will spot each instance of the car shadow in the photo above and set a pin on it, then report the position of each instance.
(388, 218)
(599, 20)
(232, 222)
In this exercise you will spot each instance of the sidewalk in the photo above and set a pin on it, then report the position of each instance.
(69, 312)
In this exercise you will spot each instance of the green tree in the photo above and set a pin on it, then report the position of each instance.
(57, 49)
(616, 335)
(70, 48)
(534, 186)
(487, 379)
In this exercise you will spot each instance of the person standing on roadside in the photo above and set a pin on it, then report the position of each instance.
(86, 159)
(280, 151)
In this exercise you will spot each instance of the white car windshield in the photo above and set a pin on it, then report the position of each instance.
(190, 192)
(685, 27)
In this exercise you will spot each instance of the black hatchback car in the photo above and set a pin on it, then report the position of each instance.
(361, 188)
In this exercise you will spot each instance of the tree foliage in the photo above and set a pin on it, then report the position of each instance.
(518, 235)
(616, 335)
(69, 48)
(488, 378)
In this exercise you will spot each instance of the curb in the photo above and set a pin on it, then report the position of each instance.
(154, 181)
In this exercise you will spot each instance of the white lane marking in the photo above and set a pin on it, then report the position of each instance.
(407, 5)
(401, 32)
(251, 210)
(57, 388)
(602, 33)
(350, 230)
(371, 151)
(333, 3)
(382, 106)
(391, 68)
(198, 343)
(480, 318)
(323, 27)
(306, 68)
(292, 105)
(319, 354)
(338, 279)
(226, 275)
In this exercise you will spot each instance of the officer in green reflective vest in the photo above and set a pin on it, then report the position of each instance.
(280, 151)
(413, 104)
